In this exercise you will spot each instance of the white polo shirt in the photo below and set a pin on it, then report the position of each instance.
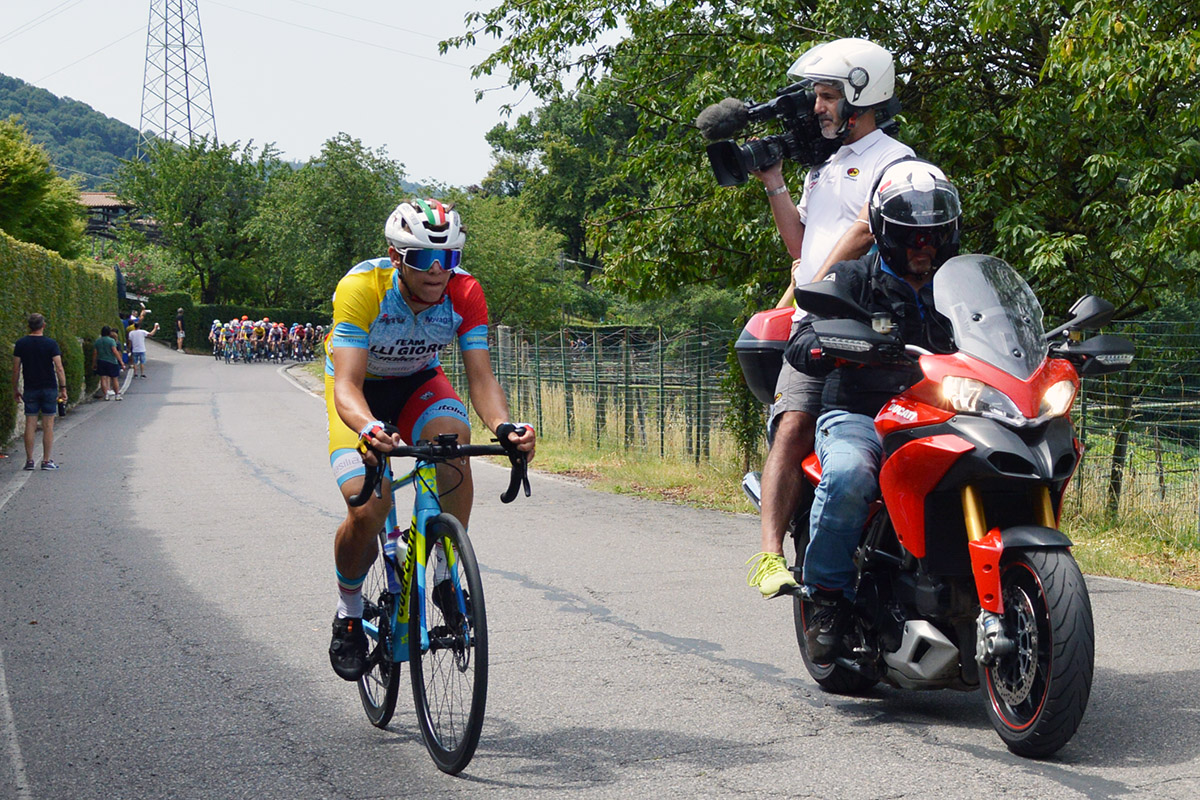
(834, 193)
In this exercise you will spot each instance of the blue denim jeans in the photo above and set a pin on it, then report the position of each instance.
(850, 452)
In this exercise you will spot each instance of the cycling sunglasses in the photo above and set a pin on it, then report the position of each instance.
(423, 260)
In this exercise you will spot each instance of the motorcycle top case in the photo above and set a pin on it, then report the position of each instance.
(759, 350)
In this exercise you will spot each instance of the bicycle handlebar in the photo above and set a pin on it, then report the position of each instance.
(444, 449)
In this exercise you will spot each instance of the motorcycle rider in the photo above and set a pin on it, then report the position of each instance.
(852, 80)
(914, 217)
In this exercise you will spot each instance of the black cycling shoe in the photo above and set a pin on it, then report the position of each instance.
(348, 650)
(447, 603)
(825, 627)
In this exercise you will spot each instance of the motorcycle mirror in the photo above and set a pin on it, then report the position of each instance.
(830, 299)
(1088, 313)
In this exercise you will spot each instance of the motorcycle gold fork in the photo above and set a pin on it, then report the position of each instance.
(986, 547)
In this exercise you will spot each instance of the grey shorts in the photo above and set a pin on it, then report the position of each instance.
(795, 391)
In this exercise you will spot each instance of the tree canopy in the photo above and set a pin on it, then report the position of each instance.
(317, 222)
(515, 260)
(36, 205)
(203, 197)
(1071, 131)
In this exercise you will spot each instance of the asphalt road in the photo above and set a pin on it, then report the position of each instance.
(165, 601)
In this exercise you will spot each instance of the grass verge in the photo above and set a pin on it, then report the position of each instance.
(1132, 551)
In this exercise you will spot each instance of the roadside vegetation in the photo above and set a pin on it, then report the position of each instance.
(1132, 548)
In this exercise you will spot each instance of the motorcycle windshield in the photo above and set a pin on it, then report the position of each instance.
(993, 313)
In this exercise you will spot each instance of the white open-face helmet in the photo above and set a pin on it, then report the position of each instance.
(424, 224)
(863, 70)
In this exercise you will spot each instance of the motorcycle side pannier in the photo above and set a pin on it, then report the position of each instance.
(759, 350)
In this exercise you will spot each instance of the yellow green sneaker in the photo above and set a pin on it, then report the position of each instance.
(771, 575)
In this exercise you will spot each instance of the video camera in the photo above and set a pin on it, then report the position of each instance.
(801, 141)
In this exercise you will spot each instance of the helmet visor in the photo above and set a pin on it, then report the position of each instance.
(915, 238)
(423, 260)
(904, 204)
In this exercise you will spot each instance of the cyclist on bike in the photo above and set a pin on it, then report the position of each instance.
(391, 318)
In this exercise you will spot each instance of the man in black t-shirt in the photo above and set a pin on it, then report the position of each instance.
(38, 358)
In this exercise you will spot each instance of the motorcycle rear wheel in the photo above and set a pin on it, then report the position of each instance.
(834, 677)
(1038, 694)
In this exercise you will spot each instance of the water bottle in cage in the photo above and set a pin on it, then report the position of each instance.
(395, 551)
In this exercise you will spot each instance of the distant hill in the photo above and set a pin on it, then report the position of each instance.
(81, 141)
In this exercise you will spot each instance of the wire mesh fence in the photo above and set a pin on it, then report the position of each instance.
(637, 389)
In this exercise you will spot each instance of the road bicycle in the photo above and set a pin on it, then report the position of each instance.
(439, 626)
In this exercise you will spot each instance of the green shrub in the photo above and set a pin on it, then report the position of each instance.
(72, 358)
(76, 297)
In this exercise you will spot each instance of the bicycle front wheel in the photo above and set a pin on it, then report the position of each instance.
(449, 668)
(380, 684)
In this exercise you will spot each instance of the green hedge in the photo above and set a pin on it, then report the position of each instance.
(76, 297)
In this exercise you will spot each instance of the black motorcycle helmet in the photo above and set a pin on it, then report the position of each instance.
(913, 204)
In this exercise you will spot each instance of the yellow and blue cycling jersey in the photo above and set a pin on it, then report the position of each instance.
(370, 313)
(405, 383)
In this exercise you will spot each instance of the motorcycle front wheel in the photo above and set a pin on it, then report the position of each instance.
(1037, 694)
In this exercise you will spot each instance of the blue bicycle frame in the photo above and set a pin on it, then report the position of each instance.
(426, 506)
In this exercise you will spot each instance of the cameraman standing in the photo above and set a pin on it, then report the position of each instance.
(853, 80)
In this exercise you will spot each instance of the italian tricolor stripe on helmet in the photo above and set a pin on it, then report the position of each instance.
(435, 212)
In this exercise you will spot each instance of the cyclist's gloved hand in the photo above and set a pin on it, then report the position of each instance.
(377, 435)
(525, 440)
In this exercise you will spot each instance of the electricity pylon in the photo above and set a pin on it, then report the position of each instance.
(176, 101)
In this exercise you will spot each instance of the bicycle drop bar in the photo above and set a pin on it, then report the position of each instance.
(445, 449)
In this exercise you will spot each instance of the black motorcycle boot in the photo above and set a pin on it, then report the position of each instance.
(825, 625)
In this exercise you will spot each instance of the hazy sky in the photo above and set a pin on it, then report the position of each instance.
(292, 72)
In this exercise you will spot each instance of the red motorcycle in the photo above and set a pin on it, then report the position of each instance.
(963, 578)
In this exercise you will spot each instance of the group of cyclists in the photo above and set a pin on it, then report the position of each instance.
(262, 340)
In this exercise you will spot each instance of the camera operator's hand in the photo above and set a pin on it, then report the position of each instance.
(771, 177)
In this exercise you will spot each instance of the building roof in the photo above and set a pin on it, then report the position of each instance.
(101, 200)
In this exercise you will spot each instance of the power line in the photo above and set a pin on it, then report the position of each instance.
(138, 29)
(45, 16)
(373, 22)
(339, 36)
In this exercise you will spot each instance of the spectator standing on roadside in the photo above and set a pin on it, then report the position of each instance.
(179, 329)
(137, 347)
(106, 362)
(134, 316)
(38, 359)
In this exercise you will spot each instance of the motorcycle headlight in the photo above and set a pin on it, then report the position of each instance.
(970, 396)
(1057, 399)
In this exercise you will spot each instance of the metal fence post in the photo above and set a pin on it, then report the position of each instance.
(537, 377)
(567, 404)
(662, 397)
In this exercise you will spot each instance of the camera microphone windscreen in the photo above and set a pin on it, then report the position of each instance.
(723, 119)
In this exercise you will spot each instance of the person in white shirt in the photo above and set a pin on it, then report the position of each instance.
(853, 81)
(137, 347)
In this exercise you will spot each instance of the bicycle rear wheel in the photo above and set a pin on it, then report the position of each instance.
(449, 674)
(380, 685)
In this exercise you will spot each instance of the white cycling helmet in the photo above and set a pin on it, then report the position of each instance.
(425, 224)
(863, 70)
